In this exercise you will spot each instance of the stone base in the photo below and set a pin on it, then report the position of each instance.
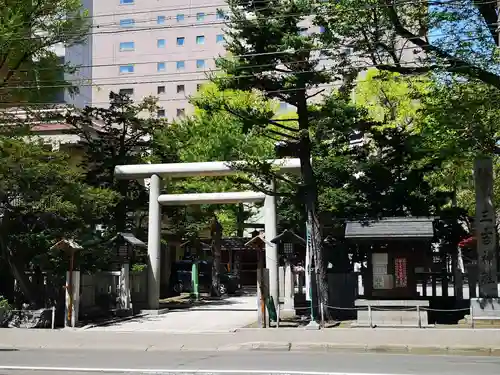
(391, 313)
(313, 326)
(121, 313)
(154, 312)
(483, 309)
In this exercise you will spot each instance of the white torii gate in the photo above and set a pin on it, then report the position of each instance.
(180, 170)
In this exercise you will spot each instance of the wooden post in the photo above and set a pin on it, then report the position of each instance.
(261, 291)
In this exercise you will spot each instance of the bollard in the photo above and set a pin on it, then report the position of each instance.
(322, 311)
(472, 316)
(370, 316)
(419, 317)
(53, 325)
(278, 313)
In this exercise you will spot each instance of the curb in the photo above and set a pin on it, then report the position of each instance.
(363, 348)
(283, 346)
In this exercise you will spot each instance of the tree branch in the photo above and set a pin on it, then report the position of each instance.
(456, 65)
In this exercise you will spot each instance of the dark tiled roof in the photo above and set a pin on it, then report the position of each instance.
(397, 227)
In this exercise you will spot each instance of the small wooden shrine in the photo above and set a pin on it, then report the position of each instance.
(395, 249)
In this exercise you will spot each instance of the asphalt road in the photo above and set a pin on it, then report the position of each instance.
(45, 362)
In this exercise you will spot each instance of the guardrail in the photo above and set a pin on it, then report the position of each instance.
(370, 309)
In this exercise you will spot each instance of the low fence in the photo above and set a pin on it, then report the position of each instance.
(41, 318)
(419, 310)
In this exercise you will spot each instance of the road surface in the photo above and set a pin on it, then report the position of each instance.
(66, 362)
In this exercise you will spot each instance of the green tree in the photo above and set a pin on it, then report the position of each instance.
(30, 71)
(269, 52)
(42, 200)
(117, 136)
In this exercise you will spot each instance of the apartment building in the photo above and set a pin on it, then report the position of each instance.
(163, 48)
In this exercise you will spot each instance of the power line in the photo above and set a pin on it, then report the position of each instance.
(129, 83)
(285, 52)
(210, 24)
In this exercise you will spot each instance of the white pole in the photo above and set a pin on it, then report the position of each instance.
(154, 243)
(322, 315)
(271, 249)
(370, 316)
(53, 325)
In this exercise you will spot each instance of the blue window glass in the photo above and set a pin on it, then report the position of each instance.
(200, 16)
(160, 20)
(200, 39)
(127, 68)
(220, 15)
(127, 46)
(180, 65)
(160, 43)
(200, 64)
(322, 29)
(161, 67)
(219, 39)
(126, 2)
(129, 22)
(180, 17)
(180, 41)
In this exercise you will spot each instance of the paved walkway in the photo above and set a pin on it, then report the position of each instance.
(215, 316)
(432, 340)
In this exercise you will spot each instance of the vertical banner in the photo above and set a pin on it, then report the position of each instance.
(485, 228)
(308, 268)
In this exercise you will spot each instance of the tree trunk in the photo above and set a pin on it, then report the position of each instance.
(311, 199)
(216, 233)
(18, 273)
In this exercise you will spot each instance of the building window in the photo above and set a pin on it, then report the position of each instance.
(322, 29)
(219, 38)
(160, 43)
(126, 68)
(200, 39)
(180, 89)
(180, 112)
(303, 32)
(180, 41)
(198, 87)
(128, 92)
(180, 17)
(160, 20)
(220, 15)
(161, 67)
(200, 16)
(160, 113)
(129, 22)
(127, 46)
(160, 90)
(180, 65)
(200, 64)
(126, 2)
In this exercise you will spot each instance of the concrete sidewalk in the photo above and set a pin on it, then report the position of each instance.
(399, 340)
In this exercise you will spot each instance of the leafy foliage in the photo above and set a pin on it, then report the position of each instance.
(117, 136)
(29, 68)
(34, 218)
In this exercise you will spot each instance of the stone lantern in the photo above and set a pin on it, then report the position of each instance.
(286, 242)
(125, 244)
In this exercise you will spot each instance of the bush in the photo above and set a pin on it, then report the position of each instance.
(4, 304)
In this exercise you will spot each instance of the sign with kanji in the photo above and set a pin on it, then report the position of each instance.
(401, 272)
(485, 228)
